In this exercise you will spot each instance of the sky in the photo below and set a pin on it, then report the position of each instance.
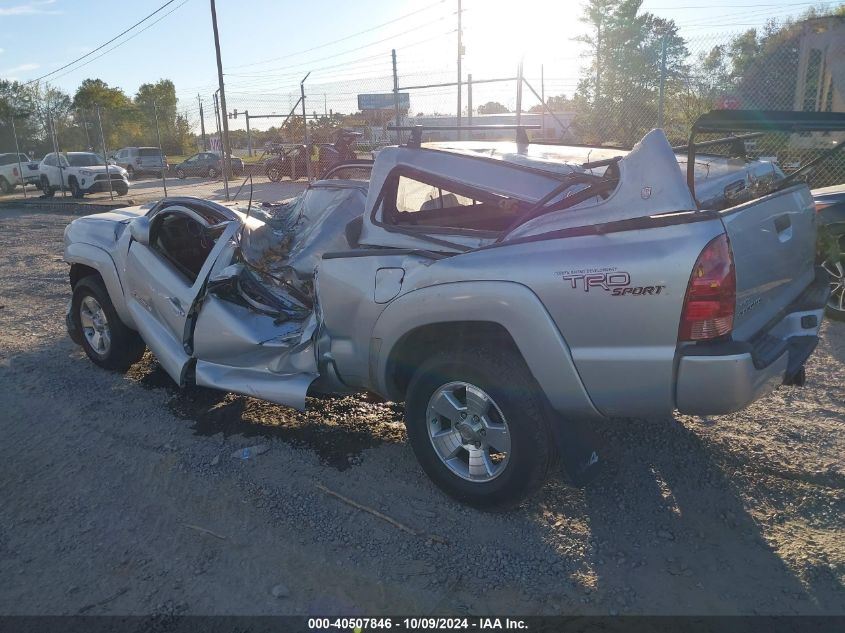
(269, 45)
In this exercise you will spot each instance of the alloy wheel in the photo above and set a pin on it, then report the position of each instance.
(468, 431)
(95, 325)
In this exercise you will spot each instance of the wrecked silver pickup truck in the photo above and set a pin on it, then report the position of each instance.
(503, 291)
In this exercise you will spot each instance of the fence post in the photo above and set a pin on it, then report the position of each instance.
(469, 103)
(519, 94)
(543, 99)
(160, 151)
(248, 137)
(396, 96)
(18, 150)
(460, 53)
(222, 147)
(105, 151)
(202, 126)
(662, 94)
(308, 166)
(56, 151)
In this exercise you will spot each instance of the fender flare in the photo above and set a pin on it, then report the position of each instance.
(834, 214)
(101, 261)
(512, 306)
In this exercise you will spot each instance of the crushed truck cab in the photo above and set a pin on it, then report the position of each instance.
(505, 292)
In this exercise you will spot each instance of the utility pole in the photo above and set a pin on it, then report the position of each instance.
(202, 126)
(226, 148)
(460, 54)
(662, 94)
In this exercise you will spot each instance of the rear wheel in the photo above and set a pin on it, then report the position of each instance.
(130, 172)
(6, 186)
(105, 338)
(479, 427)
(212, 173)
(835, 267)
(46, 188)
(180, 174)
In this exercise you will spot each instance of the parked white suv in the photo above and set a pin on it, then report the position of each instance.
(81, 173)
(17, 169)
(141, 160)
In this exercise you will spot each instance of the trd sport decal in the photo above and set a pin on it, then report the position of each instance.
(616, 282)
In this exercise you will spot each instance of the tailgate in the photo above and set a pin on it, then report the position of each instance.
(773, 240)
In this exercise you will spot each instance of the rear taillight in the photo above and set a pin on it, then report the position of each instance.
(711, 294)
(15, 172)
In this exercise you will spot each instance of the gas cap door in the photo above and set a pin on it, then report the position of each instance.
(388, 284)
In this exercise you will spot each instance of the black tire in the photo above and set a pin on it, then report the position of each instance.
(832, 310)
(6, 186)
(49, 192)
(503, 376)
(130, 172)
(180, 174)
(75, 190)
(212, 173)
(121, 190)
(274, 173)
(126, 346)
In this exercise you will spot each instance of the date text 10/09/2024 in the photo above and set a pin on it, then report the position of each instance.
(357, 625)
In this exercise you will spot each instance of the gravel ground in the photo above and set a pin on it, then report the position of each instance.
(120, 495)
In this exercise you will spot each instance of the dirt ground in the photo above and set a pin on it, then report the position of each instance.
(119, 494)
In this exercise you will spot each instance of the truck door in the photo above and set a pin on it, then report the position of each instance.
(166, 277)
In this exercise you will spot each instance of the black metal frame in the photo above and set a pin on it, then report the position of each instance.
(758, 121)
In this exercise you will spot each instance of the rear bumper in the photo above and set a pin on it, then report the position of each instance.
(723, 377)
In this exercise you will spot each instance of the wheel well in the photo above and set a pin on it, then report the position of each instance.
(80, 271)
(418, 344)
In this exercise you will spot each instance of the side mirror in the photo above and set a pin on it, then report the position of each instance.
(139, 229)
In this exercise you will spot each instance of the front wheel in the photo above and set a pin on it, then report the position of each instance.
(212, 173)
(105, 338)
(130, 172)
(49, 192)
(180, 174)
(75, 190)
(274, 173)
(478, 426)
(834, 264)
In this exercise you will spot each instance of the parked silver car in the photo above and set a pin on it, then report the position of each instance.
(141, 160)
(507, 293)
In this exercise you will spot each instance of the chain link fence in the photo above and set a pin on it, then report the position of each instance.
(283, 126)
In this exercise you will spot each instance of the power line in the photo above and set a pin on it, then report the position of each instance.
(342, 39)
(128, 39)
(101, 46)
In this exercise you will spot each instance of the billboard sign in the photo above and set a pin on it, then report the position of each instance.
(384, 101)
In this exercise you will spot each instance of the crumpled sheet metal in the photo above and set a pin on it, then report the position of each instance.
(298, 232)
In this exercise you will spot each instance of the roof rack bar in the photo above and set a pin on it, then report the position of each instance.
(416, 131)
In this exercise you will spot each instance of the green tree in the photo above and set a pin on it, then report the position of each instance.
(620, 85)
(492, 107)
